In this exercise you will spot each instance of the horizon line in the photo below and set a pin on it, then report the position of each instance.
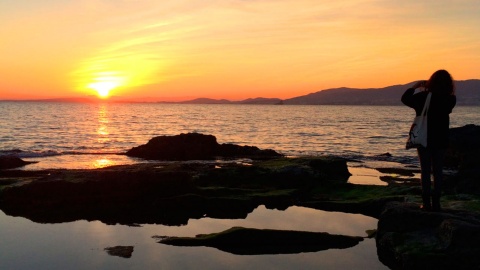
(173, 100)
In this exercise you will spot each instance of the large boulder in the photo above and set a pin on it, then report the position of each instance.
(464, 155)
(464, 148)
(195, 146)
(409, 238)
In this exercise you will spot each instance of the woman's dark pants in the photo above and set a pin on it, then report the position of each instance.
(431, 160)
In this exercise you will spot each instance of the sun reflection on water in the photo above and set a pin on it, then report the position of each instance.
(102, 130)
(103, 136)
(102, 163)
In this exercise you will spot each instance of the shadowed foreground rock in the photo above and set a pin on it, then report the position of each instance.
(246, 241)
(195, 146)
(408, 238)
(168, 193)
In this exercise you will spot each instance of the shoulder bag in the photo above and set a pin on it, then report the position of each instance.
(417, 136)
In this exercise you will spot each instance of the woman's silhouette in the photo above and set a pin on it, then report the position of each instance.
(443, 100)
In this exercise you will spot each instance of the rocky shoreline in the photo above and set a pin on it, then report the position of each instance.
(171, 193)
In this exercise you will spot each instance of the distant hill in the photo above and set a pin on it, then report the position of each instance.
(259, 100)
(206, 101)
(468, 93)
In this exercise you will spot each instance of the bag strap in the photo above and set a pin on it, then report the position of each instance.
(427, 104)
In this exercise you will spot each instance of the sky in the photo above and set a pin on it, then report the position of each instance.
(233, 49)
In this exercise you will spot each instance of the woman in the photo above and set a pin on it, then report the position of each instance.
(431, 157)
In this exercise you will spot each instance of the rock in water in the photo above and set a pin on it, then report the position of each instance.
(195, 146)
(7, 162)
(120, 251)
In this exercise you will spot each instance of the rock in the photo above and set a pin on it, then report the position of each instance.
(171, 193)
(408, 238)
(464, 148)
(120, 251)
(246, 241)
(463, 154)
(195, 146)
(7, 162)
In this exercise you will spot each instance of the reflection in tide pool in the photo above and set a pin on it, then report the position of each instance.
(365, 176)
(80, 244)
(84, 161)
(102, 163)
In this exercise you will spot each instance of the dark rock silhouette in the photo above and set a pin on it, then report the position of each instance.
(408, 238)
(463, 154)
(246, 241)
(7, 162)
(120, 251)
(195, 146)
(464, 148)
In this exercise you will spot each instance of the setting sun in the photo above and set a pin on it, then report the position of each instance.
(103, 88)
(103, 85)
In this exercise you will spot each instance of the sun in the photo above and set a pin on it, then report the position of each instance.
(103, 85)
(102, 88)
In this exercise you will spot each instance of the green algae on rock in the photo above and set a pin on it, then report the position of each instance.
(409, 238)
(248, 241)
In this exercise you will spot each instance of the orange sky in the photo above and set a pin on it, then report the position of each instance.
(232, 49)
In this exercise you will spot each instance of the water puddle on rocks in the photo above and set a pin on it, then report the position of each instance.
(380, 173)
(81, 244)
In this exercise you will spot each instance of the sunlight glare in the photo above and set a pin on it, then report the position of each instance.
(103, 85)
(102, 163)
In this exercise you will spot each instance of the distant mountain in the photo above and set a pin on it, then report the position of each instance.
(259, 100)
(468, 93)
(206, 101)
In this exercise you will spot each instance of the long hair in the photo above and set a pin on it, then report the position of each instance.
(441, 82)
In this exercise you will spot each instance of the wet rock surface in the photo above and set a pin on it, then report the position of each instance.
(409, 238)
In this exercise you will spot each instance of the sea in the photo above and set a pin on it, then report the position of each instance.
(83, 135)
(95, 135)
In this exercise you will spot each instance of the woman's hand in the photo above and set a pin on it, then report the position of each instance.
(419, 84)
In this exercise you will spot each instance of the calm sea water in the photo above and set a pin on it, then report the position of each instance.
(65, 135)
